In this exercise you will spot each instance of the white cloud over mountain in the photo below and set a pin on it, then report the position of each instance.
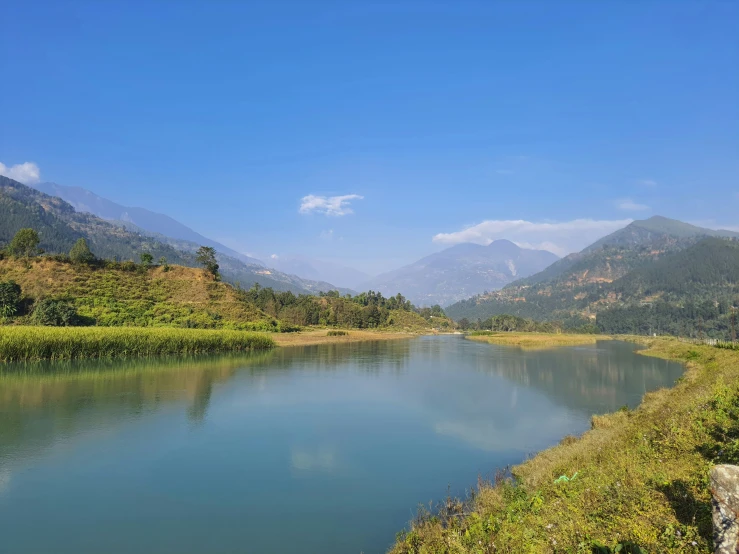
(27, 173)
(328, 205)
(560, 238)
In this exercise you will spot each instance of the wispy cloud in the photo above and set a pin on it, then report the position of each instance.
(328, 205)
(559, 237)
(629, 205)
(27, 173)
(274, 257)
(328, 234)
(648, 182)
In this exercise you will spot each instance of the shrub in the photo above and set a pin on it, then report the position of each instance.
(336, 333)
(54, 313)
(10, 297)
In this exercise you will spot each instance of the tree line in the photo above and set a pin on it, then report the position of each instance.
(368, 310)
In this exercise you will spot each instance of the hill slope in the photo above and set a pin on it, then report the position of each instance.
(60, 225)
(180, 297)
(460, 271)
(683, 276)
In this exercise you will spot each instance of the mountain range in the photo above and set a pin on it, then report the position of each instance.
(142, 219)
(671, 273)
(441, 278)
(461, 271)
(59, 225)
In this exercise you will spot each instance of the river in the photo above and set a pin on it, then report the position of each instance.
(325, 448)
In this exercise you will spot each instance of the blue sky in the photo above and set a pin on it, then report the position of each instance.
(550, 123)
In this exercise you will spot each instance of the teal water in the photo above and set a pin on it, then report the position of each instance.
(302, 450)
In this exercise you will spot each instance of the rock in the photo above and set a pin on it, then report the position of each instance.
(725, 503)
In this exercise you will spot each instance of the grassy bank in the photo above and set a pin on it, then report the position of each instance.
(55, 343)
(534, 340)
(326, 336)
(639, 475)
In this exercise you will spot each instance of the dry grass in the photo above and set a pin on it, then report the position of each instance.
(320, 336)
(180, 297)
(642, 475)
(537, 340)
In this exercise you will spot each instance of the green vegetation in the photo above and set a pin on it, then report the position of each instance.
(81, 253)
(206, 256)
(55, 313)
(24, 244)
(337, 333)
(639, 476)
(49, 343)
(368, 310)
(10, 298)
(677, 287)
(512, 323)
(124, 294)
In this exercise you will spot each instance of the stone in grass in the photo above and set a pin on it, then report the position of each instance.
(725, 503)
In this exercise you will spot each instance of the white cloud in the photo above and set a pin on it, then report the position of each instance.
(648, 182)
(629, 205)
(560, 238)
(274, 257)
(328, 205)
(27, 173)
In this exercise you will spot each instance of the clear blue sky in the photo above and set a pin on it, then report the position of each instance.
(441, 115)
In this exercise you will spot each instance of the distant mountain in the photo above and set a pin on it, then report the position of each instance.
(60, 225)
(84, 200)
(320, 270)
(624, 250)
(659, 262)
(461, 271)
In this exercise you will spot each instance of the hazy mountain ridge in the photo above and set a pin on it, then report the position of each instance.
(165, 226)
(320, 270)
(460, 271)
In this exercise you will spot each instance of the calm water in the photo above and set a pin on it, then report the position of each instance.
(315, 449)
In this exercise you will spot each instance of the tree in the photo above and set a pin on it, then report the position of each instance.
(206, 256)
(10, 297)
(24, 244)
(54, 313)
(146, 259)
(81, 253)
(163, 263)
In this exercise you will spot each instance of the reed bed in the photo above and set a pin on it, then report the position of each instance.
(18, 344)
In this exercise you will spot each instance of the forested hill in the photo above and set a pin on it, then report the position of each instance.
(59, 226)
(663, 283)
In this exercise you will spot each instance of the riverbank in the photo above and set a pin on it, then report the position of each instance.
(20, 343)
(536, 340)
(638, 475)
(322, 336)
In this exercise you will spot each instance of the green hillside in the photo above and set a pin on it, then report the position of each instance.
(685, 288)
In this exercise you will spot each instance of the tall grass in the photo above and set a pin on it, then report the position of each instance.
(67, 343)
